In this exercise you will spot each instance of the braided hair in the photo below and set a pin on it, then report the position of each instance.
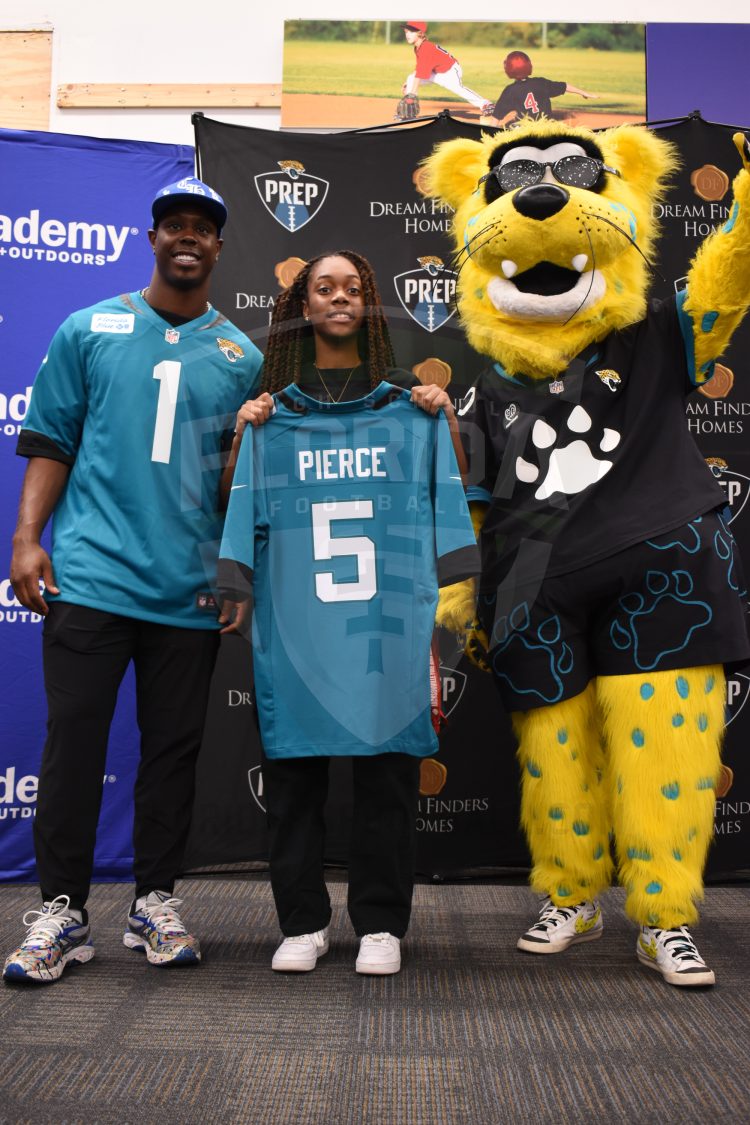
(291, 341)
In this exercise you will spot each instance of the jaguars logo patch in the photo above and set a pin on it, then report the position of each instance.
(232, 351)
(610, 378)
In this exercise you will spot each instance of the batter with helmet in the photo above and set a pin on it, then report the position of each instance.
(527, 96)
(433, 64)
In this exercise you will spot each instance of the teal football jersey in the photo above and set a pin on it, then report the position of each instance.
(346, 517)
(137, 408)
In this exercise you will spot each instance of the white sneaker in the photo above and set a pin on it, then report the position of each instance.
(561, 926)
(673, 953)
(300, 954)
(379, 954)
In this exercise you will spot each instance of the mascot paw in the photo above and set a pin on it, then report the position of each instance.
(743, 148)
(457, 607)
(476, 647)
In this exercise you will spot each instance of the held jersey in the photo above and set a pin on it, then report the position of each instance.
(137, 409)
(349, 515)
(582, 466)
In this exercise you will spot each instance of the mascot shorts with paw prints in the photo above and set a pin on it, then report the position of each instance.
(611, 597)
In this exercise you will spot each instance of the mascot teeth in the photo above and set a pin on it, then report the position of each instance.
(508, 267)
(580, 262)
(508, 299)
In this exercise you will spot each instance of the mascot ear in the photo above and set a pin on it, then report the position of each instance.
(643, 159)
(453, 171)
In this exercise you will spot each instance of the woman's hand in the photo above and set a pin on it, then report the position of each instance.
(432, 398)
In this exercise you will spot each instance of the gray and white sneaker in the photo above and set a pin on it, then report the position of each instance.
(673, 953)
(56, 935)
(561, 926)
(300, 954)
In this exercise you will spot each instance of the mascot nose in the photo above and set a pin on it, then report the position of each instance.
(540, 201)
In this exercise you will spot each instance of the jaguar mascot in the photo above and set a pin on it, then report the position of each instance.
(611, 597)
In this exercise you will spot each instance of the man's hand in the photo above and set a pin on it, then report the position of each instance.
(236, 614)
(29, 563)
(255, 411)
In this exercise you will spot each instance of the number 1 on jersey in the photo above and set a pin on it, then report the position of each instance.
(168, 374)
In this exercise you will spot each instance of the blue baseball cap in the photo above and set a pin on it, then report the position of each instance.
(192, 191)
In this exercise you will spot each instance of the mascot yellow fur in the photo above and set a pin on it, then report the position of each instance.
(611, 594)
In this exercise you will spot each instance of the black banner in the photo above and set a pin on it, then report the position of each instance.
(292, 196)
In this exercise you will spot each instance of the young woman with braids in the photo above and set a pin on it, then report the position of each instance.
(329, 336)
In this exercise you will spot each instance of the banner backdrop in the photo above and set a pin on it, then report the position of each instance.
(74, 212)
(292, 196)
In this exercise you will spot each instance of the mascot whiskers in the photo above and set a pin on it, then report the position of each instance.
(611, 594)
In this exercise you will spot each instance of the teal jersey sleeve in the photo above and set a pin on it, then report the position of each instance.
(59, 404)
(455, 544)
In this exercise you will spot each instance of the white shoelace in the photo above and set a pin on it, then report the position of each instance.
(379, 938)
(48, 923)
(680, 946)
(164, 915)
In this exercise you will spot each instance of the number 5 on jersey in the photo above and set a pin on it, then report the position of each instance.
(359, 546)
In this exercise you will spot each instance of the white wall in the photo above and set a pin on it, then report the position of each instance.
(223, 41)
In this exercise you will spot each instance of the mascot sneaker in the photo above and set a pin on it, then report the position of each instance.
(379, 955)
(561, 926)
(56, 936)
(155, 927)
(673, 954)
(300, 954)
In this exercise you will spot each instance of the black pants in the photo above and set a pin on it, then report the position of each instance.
(382, 852)
(86, 653)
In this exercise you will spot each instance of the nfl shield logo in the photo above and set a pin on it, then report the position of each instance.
(291, 195)
(427, 293)
(172, 336)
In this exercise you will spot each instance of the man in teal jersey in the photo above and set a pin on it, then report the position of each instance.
(124, 437)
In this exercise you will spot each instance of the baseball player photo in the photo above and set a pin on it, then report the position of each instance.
(527, 96)
(433, 64)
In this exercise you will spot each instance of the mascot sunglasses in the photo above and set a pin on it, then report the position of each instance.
(573, 171)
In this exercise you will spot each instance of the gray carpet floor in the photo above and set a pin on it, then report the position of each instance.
(470, 1031)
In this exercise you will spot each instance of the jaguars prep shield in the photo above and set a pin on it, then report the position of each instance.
(293, 199)
(427, 295)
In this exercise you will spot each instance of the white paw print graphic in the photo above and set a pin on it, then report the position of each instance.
(572, 467)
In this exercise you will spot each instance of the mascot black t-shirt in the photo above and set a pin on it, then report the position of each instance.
(579, 467)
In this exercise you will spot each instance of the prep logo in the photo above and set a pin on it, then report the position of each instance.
(452, 684)
(13, 410)
(34, 238)
(11, 610)
(736, 485)
(255, 780)
(292, 196)
(427, 293)
(738, 690)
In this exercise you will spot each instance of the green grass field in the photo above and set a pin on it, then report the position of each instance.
(378, 70)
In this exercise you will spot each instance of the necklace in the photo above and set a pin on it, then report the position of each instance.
(346, 384)
(145, 298)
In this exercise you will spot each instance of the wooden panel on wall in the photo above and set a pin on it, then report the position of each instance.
(151, 95)
(26, 70)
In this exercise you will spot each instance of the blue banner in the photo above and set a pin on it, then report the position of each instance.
(74, 212)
